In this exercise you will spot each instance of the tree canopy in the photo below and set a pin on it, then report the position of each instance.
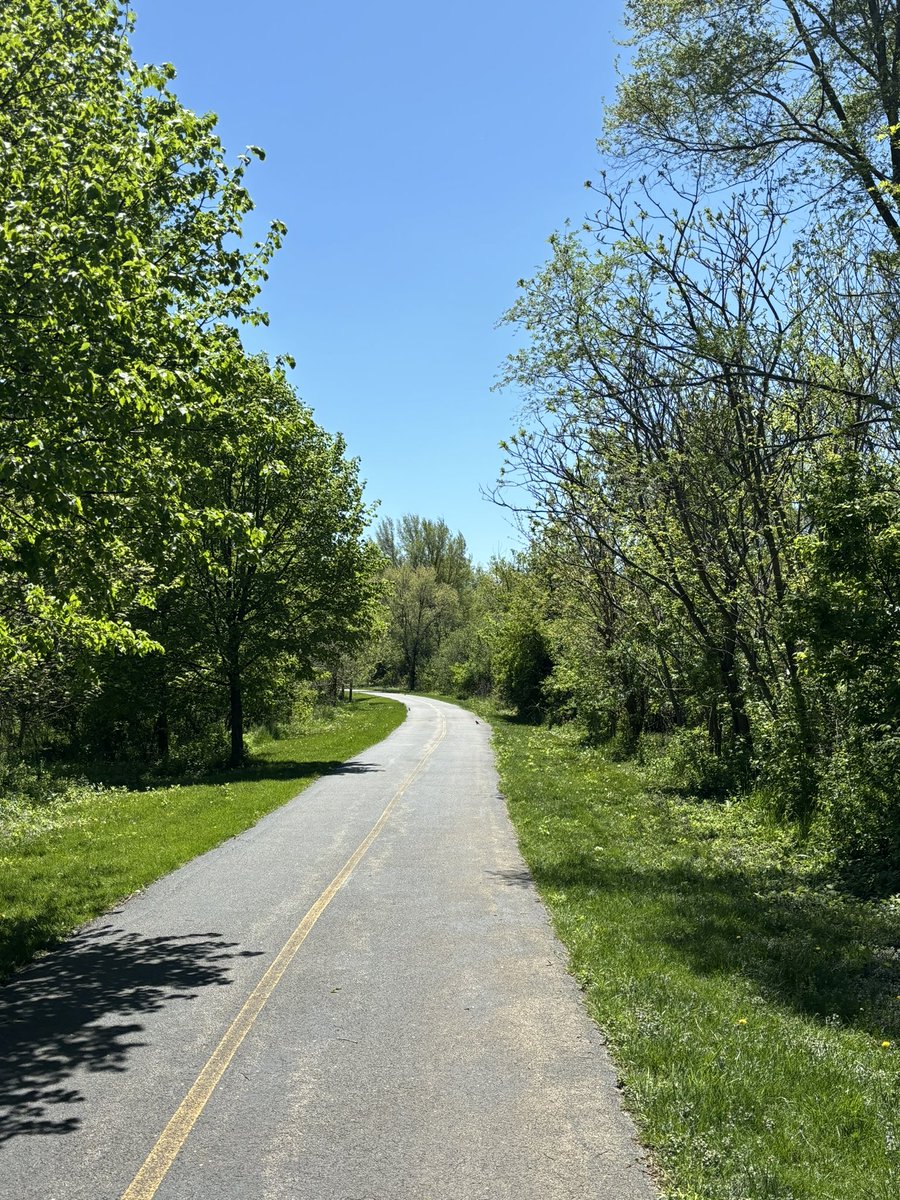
(144, 458)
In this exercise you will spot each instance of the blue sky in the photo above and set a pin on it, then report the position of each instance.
(420, 156)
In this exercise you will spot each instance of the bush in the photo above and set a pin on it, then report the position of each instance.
(787, 774)
(691, 765)
(861, 793)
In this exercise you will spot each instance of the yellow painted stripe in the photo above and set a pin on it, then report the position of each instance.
(159, 1160)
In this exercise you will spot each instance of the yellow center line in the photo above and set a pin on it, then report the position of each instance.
(145, 1184)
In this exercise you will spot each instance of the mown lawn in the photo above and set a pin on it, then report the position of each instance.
(68, 859)
(752, 1009)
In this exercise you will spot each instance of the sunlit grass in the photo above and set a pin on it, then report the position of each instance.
(69, 858)
(752, 1009)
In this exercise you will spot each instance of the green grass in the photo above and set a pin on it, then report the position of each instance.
(69, 858)
(752, 1010)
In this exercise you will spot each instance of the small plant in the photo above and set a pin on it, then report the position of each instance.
(689, 764)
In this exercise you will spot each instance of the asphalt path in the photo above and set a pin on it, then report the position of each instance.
(358, 999)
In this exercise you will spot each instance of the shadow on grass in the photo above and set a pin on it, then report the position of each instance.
(821, 953)
(257, 769)
(141, 774)
(75, 1010)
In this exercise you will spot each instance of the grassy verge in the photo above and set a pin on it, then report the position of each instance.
(67, 859)
(753, 1011)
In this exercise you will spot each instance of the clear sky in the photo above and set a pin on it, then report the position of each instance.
(420, 155)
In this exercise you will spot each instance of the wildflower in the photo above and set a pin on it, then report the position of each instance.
(741, 1021)
(886, 1045)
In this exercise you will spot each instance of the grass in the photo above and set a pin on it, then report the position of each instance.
(67, 858)
(752, 1010)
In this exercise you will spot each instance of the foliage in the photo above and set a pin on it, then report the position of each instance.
(119, 253)
(275, 574)
(708, 433)
(179, 541)
(292, 576)
(520, 653)
(737, 86)
(428, 584)
(847, 606)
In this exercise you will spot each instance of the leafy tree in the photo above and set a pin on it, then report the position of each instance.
(847, 609)
(421, 610)
(520, 645)
(463, 666)
(280, 569)
(429, 583)
(681, 385)
(416, 541)
(119, 254)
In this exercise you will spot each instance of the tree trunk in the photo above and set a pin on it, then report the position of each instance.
(161, 733)
(728, 667)
(715, 728)
(236, 718)
(678, 718)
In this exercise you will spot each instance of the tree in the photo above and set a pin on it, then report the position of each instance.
(741, 85)
(429, 582)
(421, 611)
(416, 541)
(280, 568)
(519, 642)
(679, 384)
(845, 607)
(119, 260)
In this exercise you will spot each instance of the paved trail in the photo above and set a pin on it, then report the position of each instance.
(423, 1042)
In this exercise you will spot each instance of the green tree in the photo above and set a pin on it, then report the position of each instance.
(520, 644)
(680, 384)
(416, 541)
(735, 86)
(846, 607)
(429, 582)
(421, 611)
(120, 256)
(280, 569)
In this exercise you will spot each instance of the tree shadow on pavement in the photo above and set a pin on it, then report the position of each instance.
(70, 1011)
(286, 769)
(515, 877)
